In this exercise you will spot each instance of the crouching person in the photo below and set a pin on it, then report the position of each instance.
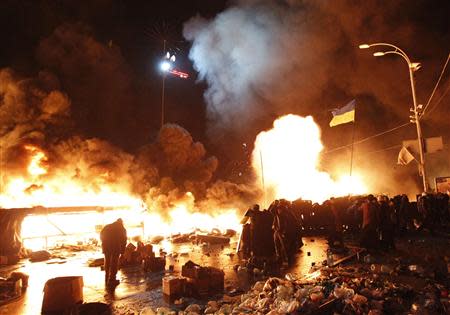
(114, 239)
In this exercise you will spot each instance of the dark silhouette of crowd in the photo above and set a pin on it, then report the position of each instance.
(375, 221)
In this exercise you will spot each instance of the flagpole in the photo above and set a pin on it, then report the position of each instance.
(262, 178)
(353, 141)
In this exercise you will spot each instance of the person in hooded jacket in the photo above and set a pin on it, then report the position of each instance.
(114, 240)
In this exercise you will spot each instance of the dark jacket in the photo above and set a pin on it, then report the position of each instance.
(114, 238)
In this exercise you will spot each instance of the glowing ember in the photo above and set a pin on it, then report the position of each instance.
(288, 157)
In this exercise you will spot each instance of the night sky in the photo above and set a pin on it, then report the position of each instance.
(104, 56)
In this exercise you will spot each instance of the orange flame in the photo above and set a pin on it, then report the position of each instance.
(38, 188)
(38, 158)
(286, 159)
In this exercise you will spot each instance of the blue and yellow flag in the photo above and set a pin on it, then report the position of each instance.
(343, 115)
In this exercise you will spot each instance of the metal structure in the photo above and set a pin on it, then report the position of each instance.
(167, 67)
(416, 110)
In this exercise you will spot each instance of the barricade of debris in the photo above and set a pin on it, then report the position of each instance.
(195, 281)
(363, 288)
(140, 255)
(199, 237)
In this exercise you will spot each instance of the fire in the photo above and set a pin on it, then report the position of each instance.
(286, 160)
(38, 158)
(37, 188)
(41, 231)
(184, 221)
(42, 186)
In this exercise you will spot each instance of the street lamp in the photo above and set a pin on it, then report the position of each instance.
(166, 67)
(412, 67)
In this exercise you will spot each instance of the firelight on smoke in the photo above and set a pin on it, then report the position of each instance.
(38, 157)
(39, 185)
(286, 160)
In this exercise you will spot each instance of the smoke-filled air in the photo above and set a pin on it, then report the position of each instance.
(67, 130)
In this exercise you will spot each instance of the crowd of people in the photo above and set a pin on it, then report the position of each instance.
(376, 221)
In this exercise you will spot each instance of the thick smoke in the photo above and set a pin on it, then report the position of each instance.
(29, 108)
(236, 55)
(269, 56)
(103, 90)
(34, 113)
(262, 59)
(35, 117)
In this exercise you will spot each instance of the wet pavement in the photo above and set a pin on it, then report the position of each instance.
(139, 289)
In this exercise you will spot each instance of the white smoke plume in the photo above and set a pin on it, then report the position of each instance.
(265, 58)
(238, 54)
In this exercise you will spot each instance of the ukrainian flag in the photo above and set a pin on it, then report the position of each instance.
(343, 115)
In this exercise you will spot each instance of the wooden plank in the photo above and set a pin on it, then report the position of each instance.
(337, 262)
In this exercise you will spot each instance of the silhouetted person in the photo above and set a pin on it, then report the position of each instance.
(369, 209)
(386, 222)
(279, 228)
(335, 230)
(114, 240)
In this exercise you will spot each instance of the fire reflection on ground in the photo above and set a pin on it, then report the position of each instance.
(137, 288)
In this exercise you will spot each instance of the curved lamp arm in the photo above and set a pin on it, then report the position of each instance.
(396, 53)
(397, 49)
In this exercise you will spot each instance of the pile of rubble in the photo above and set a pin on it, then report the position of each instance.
(366, 289)
(195, 281)
(142, 255)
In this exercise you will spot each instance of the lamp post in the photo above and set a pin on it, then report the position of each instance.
(166, 68)
(412, 67)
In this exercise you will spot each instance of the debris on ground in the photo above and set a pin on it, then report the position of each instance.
(212, 239)
(41, 255)
(96, 262)
(195, 281)
(13, 287)
(361, 288)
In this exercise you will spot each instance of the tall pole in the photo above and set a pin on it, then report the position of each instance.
(262, 177)
(419, 130)
(163, 89)
(1, 168)
(351, 153)
(411, 68)
(162, 100)
(353, 141)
